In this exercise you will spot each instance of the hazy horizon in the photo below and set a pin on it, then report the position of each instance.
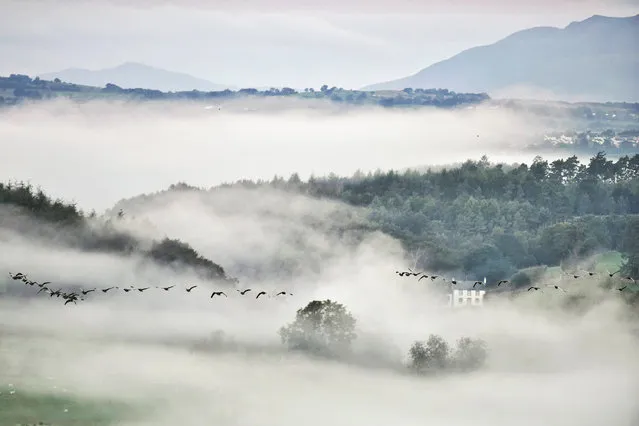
(344, 44)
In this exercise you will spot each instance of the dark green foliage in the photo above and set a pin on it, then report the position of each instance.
(68, 225)
(180, 254)
(492, 220)
(322, 328)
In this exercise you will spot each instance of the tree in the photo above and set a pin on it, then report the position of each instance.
(470, 354)
(322, 327)
(430, 356)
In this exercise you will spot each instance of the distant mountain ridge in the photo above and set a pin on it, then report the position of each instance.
(596, 59)
(133, 75)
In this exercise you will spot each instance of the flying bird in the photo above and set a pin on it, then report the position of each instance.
(167, 288)
(190, 288)
(85, 292)
(611, 274)
(556, 287)
(533, 288)
(243, 292)
(502, 282)
(423, 276)
(259, 294)
(283, 292)
(107, 289)
(218, 293)
(143, 289)
(477, 283)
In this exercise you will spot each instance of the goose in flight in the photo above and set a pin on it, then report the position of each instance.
(107, 289)
(477, 283)
(243, 292)
(143, 289)
(611, 274)
(413, 273)
(423, 276)
(502, 282)
(283, 293)
(534, 288)
(85, 292)
(556, 287)
(167, 288)
(188, 290)
(260, 294)
(218, 293)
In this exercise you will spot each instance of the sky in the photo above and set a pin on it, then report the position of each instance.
(253, 43)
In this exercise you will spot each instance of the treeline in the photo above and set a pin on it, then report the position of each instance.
(67, 224)
(17, 88)
(490, 220)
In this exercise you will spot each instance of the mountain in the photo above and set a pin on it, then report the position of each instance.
(132, 75)
(596, 59)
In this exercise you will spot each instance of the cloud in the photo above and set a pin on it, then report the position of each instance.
(372, 6)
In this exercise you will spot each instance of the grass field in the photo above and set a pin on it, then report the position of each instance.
(23, 407)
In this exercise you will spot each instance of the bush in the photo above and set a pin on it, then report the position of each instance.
(434, 355)
(322, 328)
(430, 356)
(470, 354)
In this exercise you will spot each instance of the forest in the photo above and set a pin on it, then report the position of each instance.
(490, 220)
(479, 219)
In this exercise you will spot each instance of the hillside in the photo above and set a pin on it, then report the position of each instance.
(486, 220)
(30, 213)
(132, 75)
(595, 59)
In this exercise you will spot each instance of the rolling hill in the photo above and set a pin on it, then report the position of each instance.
(595, 59)
(133, 75)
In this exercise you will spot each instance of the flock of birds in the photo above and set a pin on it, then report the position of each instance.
(629, 282)
(79, 295)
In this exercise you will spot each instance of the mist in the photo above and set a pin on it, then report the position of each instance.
(152, 351)
(124, 149)
(142, 349)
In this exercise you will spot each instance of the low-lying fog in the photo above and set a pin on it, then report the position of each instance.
(100, 152)
(546, 366)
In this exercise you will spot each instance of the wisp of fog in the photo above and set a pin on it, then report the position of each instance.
(546, 365)
(124, 149)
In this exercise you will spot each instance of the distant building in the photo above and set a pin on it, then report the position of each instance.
(466, 298)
